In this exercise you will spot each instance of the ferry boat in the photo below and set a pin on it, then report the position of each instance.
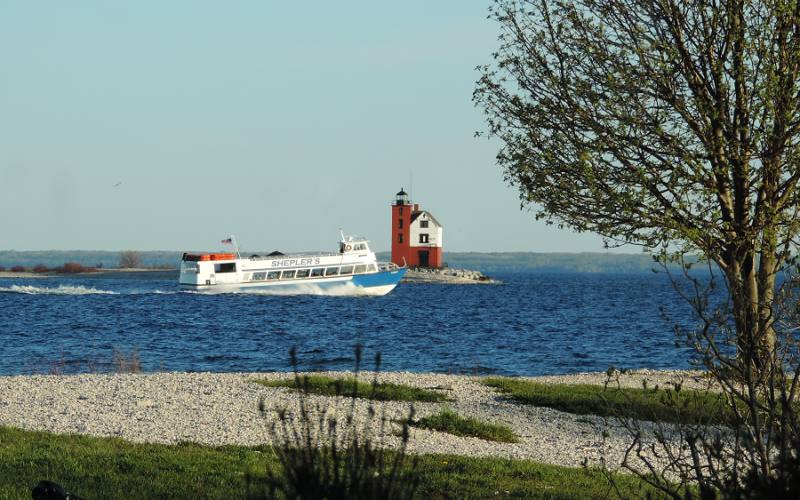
(353, 270)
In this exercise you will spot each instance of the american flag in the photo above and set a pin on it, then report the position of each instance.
(227, 240)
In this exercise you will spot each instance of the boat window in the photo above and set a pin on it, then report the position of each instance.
(332, 271)
(303, 273)
(372, 268)
(317, 272)
(347, 270)
(287, 275)
(273, 275)
(259, 276)
(360, 246)
(230, 267)
(360, 269)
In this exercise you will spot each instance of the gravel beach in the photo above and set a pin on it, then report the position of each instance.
(222, 408)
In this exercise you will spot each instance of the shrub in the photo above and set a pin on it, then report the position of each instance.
(2, 269)
(18, 269)
(40, 268)
(127, 363)
(73, 267)
(322, 455)
(130, 259)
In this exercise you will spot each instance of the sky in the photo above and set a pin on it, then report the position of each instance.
(171, 125)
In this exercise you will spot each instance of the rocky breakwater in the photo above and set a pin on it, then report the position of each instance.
(447, 276)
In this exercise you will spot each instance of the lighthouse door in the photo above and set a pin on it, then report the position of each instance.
(423, 258)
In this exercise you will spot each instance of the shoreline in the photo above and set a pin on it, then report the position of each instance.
(222, 408)
(31, 274)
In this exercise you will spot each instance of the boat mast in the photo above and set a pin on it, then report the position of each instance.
(236, 246)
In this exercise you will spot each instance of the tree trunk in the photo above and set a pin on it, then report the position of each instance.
(752, 295)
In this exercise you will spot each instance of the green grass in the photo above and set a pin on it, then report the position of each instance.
(329, 386)
(452, 423)
(113, 468)
(657, 405)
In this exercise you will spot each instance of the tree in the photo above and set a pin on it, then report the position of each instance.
(741, 437)
(671, 125)
(129, 259)
(674, 125)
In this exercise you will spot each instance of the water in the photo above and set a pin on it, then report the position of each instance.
(534, 323)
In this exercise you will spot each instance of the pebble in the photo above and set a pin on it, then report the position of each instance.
(222, 408)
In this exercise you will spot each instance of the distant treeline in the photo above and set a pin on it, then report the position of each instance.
(88, 258)
(492, 262)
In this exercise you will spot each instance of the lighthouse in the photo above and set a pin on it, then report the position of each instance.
(416, 235)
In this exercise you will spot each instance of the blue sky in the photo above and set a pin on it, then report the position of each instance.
(278, 122)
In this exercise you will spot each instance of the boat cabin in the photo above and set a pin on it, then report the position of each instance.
(354, 257)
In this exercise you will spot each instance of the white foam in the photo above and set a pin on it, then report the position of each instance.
(59, 290)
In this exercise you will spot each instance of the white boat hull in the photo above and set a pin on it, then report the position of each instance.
(374, 284)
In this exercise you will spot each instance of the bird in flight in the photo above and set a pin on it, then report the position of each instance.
(118, 184)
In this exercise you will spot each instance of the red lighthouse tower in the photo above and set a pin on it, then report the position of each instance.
(416, 235)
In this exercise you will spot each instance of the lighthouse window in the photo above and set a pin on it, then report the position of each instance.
(360, 269)
(423, 238)
(287, 275)
(332, 271)
(225, 268)
(423, 223)
(317, 272)
(399, 223)
(347, 270)
(400, 238)
(273, 275)
(303, 273)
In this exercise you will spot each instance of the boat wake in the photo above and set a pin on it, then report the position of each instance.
(59, 290)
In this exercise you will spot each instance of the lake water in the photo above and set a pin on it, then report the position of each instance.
(533, 323)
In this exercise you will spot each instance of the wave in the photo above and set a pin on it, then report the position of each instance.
(59, 290)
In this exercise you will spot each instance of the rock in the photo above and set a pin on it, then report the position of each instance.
(446, 276)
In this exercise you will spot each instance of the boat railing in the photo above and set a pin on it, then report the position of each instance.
(355, 239)
(293, 255)
(387, 266)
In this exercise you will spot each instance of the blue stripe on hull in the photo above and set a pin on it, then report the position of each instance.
(382, 278)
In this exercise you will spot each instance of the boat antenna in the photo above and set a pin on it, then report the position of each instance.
(341, 233)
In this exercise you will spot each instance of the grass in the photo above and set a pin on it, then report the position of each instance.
(452, 423)
(113, 468)
(658, 405)
(329, 386)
